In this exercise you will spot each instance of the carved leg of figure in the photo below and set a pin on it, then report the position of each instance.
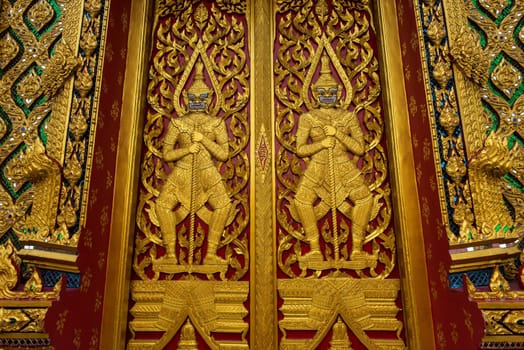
(361, 213)
(167, 219)
(307, 217)
(216, 228)
(168, 227)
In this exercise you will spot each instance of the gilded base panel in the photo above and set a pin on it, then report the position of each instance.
(189, 307)
(502, 309)
(337, 304)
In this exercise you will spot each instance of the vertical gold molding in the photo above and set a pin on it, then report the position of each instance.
(263, 326)
(408, 223)
(118, 271)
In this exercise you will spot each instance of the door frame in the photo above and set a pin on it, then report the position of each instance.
(407, 213)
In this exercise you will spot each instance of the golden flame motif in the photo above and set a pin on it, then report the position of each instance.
(40, 14)
(9, 49)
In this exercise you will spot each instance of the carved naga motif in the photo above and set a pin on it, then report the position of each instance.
(49, 65)
(495, 63)
(44, 173)
(487, 168)
(477, 111)
(39, 57)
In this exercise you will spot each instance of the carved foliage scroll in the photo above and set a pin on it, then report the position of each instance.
(199, 54)
(343, 30)
(184, 34)
(315, 39)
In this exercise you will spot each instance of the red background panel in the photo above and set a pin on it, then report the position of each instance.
(74, 321)
(457, 322)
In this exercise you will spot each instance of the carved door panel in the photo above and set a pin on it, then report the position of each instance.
(265, 216)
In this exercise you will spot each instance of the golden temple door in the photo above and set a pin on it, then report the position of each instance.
(259, 206)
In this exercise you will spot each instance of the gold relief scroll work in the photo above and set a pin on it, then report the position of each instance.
(333, 204)
(193, 214)
(333, 195)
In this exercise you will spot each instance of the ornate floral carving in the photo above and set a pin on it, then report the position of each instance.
(39, 61)
(449, 139)
(490, 57)
(9, 49)
(232, 6)
(480, 196)
(301, 45)
(215, 45)
(263, 153)
(40, 14)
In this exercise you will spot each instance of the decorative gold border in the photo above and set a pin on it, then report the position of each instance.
(503, 339)
(431, 115)
(263, 289)
(94, 114)
(118, 272)
(408, 221)
(263, 327)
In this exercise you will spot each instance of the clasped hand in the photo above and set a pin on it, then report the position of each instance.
(196, 137)
(329, 130)
(329, 141)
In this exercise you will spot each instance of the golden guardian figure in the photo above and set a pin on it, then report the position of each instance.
(326, 135)
(193, 142)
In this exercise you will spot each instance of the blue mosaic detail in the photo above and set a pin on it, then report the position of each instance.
(479, 278)
(50, 277)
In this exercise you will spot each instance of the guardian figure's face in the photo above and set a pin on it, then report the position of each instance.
(327, 96)
(196, 101)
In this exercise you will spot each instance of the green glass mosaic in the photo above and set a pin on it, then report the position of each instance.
(506, 11)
